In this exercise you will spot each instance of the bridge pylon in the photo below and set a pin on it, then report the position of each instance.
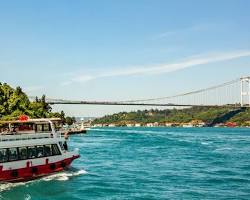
(245, 91)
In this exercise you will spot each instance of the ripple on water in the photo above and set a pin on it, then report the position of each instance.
(149, 163)
(61, 176)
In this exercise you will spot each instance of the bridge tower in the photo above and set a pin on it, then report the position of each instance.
(245, 91)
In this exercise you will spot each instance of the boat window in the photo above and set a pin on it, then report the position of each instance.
(25, 127)
(13, 155)
(39, 127)
(43, 128)
(40, 151)
(55, 149)
(22, 153)
(31, 152)
(3, 155)
(47, 150)
(46, 127)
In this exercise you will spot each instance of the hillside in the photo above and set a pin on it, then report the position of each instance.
(205, 114)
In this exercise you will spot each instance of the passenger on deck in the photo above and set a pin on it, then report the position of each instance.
(65, 146)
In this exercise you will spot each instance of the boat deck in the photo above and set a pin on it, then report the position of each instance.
(27, 136)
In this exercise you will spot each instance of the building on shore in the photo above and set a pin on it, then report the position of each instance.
(194, 123)
(130, 125)
(231, 124)
(149, 125)
(187, 125)
(97, 125)
(167, 124)
(111, 125)
(155, 124)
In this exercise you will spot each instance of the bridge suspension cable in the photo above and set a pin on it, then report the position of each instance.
(187, 93)
(232, 93)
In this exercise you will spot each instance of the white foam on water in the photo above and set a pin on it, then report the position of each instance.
(27, 197)
(206, 143)
(223, 149)
(64, 176)
(60, 176)
(8, 186)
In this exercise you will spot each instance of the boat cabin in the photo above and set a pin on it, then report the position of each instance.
(29, 126)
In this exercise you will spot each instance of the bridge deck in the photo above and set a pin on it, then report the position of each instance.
(134, 104)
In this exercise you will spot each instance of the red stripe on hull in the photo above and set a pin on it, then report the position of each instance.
(34, 172)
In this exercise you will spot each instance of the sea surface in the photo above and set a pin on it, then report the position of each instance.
(149, 163)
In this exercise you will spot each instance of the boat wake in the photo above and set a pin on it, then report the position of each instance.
(61, 176)
(8, 186)
(64, 176)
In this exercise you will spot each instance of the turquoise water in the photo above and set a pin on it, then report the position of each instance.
(149, 163)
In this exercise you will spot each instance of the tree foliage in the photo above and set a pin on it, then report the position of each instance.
(14, 102)
(70, 120)
(205, 114)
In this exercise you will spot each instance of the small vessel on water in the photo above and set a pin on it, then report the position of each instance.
(32, 148)
(75, 129)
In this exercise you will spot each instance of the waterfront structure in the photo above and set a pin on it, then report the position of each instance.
(112, 125)
(189, 125)
(130, 125)
(97, 125)
(155, 124)
(168, 124)
(137, 125)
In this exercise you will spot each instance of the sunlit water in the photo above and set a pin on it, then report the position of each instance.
(149, 163)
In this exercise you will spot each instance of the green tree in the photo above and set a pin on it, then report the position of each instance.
(69, 120)
(14, 102)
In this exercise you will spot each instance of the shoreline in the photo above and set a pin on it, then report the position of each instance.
(169, 127)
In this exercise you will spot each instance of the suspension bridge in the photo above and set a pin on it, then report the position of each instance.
(234, 93)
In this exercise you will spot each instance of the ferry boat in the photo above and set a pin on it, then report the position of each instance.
(32, 148)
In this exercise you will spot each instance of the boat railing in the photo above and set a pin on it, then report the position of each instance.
(16, 137)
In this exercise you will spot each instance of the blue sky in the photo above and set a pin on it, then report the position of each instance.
(115, 50)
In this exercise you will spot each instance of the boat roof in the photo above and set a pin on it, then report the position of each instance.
(40, 120)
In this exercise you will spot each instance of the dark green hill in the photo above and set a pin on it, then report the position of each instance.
(209, 115)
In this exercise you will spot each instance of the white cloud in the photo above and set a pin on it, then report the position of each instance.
(162, 68)
(83, 78)
(186, 30)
